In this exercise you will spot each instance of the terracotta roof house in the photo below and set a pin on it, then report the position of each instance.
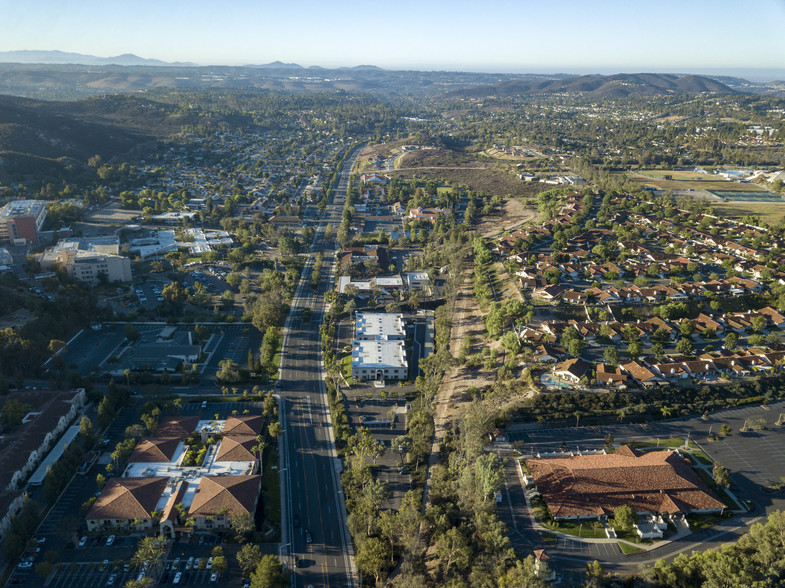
(609, 376)
(572, 369)
(549, 292)
(244, 425)
(642, 374)
(219, 497)
(154, 450)
(125, 500)
(548, 353)
(180, 427)
(237, 448)
(595, 485)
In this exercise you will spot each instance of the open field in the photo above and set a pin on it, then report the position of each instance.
(688, 181)
(769, 212)
(676, 175)
(513, 214)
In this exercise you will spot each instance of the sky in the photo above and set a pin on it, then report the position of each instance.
(547, 36)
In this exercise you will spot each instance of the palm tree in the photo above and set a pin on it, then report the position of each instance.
(150, 551)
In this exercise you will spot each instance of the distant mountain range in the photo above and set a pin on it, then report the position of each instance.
(62, 57)
(615, 86)
(129, 59)
(56, 75)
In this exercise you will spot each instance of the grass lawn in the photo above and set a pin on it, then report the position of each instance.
(628, 549)
(718, 490)
(701, 522)
(677, 175)
(346, 367)
(769, 212)
(702, 457)
(271, 492)
(689, 181)
(663, 443)
(579, 529)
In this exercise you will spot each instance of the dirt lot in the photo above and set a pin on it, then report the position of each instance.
(513, 214)
(452, 399)
(478, 173)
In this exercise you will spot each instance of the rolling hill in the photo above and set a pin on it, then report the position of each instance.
(615, 86)
(38, 136)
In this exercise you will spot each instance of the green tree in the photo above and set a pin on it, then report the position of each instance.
(731, 340)
(611, 355)
(575, 347)
(371, 558)
(220, 564)
(106, 412)
(150, 551)
(86, 430)
(130, 332)
(249, 557)
(634, 350)
(625, 517)
(229, 371)
(526, 573)
(274, 429)
(684, 346)
(721, 476)
(594, 574)
(453, 549)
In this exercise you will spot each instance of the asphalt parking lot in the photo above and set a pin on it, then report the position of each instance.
(96, 574)
(91, 348)
(223, 409)
(373, 414)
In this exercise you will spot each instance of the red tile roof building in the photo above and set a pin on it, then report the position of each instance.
(595, 485)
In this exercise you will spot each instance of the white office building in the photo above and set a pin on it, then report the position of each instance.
(378, 326)
(379, 360)
(378, 350)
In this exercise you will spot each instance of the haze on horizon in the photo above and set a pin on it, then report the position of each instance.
(567, 36)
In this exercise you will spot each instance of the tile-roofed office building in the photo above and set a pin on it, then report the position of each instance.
(219, 495)
(244, 425)
(155, 450)
(237, 448)
(126, 500)
(595, 485)
(179, 427)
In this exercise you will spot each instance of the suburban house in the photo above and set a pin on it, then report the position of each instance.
(572, 370)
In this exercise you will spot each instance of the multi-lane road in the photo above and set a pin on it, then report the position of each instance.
(314, 518)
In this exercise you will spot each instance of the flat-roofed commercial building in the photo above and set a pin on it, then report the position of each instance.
(379, 360)
(22, 219)
(86, 261)
(378, 326)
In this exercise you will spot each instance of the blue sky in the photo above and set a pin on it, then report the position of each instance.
(571, 36)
